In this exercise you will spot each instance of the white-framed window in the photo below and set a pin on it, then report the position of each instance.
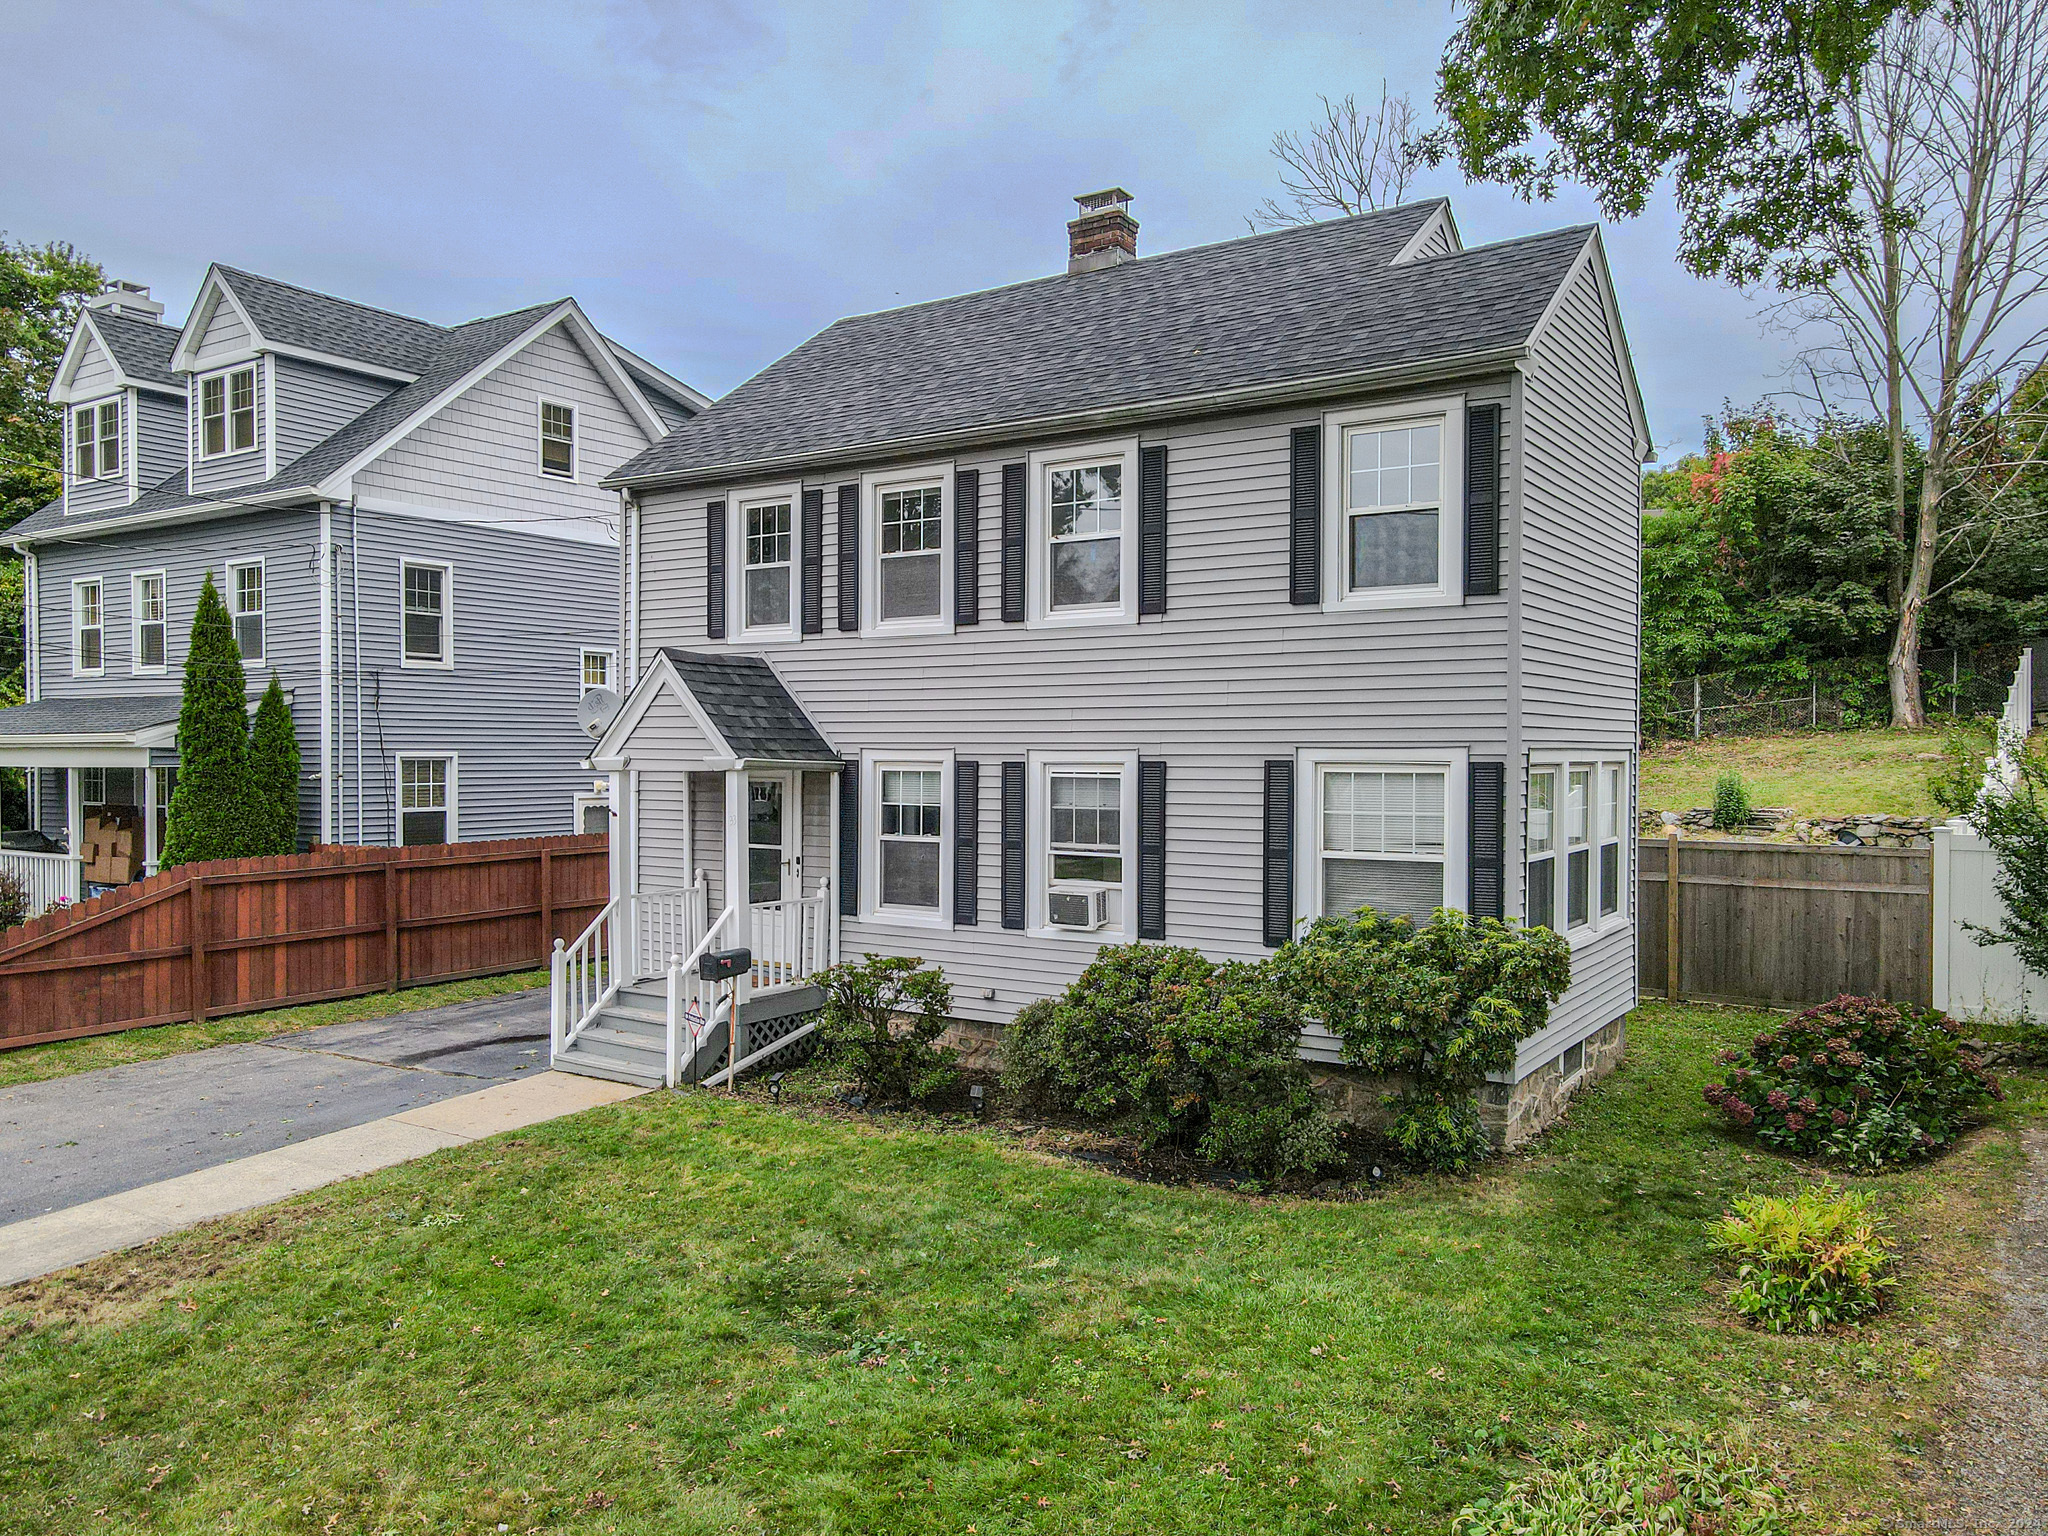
(88, 627)
(1083, 829)
(426, 614)
(598, 668)
(763, 537)
(1577, 860)
(1393, 505)
(92, 786)
(1380, 829)
(96, 440)
(1082, 565)
(426, 800)
(147, 605)
(591, 812)
(905, 873)
(245, 607)
(907, 579)
(557, 440)
(227, 412)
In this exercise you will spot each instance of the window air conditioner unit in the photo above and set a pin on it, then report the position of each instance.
(1084, 911)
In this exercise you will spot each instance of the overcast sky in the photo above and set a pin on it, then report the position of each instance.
(716, 181)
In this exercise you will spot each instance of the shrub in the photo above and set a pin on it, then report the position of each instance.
(882, 1015)
(1857, 1081)
(1731, 802)
(1441, 1005)
(13, 900)
(1192, 1054)
(208, 816)
(1653, 1487)
(1807, 1260)
(273, 776)
(2013, 821)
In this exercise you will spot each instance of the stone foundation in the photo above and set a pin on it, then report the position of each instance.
(979, 1044)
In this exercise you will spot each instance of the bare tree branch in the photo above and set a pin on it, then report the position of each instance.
(1345, 164)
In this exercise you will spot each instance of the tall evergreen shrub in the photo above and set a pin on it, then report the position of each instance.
(209, 808)
(273, 776)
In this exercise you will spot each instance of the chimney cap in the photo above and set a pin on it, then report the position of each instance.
(121, 297)
(1107, 198)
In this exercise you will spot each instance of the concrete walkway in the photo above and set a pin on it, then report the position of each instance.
(102, 1160)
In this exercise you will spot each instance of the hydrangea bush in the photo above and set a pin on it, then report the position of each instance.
(1857, 1081)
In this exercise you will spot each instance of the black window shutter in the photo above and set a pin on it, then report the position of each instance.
(1482, 501)
(849, 839)
(1152, 529)
(1279, 922)
(966, 842)
(814, 561)
(1486, 837)
(714, 570)
(1013, 845)
(1151, 848)
(967, 549)
(1013, 543)
(849, 557)
(1305, 516)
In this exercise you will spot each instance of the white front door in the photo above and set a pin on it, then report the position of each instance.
(773, 822)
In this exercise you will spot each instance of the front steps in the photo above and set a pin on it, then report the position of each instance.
(628, 1041)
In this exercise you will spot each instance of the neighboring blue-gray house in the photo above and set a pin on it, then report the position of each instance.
(408, 525)
(1182, 599)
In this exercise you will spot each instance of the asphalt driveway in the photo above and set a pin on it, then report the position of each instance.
(77, 1138)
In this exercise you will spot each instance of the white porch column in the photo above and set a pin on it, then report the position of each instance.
(624, 788)
(736, 857)
(832, 885)
(149, 848)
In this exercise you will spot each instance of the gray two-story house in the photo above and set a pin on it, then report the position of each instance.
(1182, 598)
(408, 524)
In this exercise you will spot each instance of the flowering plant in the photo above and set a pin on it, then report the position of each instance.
(1857, 1081)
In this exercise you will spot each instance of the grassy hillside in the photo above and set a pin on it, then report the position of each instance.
(1825, 773)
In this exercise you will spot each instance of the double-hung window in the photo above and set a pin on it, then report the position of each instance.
(96, 440)
(1382, 836)
(1394, 476)
(910, 828)
(88, 628)
(768, 573)
(908, 554)
(227, 413)
(557, 440)
(147, 602)
(1577, 864)
(597, 669)
(426, 800)
(245, 607)
(426, 634)
(1083, 522)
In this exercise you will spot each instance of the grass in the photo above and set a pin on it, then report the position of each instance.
(694, 1313)
(1826, 773)
(34, 1063)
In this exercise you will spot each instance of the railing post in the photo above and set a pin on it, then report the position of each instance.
(557, 964)
(668, 1074)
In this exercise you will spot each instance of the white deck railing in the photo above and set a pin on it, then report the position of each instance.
(790, 939)
(582, 978)
(665, 924)
(695, 1006)
(47, 877)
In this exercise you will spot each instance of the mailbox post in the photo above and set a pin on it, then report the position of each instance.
(727, 966)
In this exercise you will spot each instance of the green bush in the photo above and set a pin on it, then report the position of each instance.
(1807, 1260)
(1731, 802)
(1653, 1487)
(1441, 1006)
(273, 776)
(882, 1015)
(1190, 1054)
(1857, 1081)
(208, 816)
(13, 900)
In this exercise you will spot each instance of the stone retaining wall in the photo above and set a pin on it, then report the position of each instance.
(1846, 831)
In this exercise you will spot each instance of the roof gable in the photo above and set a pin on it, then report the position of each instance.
(138, 351)
(1314, 303)
(736, 704)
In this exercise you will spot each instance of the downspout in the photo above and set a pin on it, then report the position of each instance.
(329, 661)
(355, 581)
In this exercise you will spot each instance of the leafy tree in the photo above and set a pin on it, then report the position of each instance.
(1735, 100)
(42, 289)
(209, 809)
(273, 775)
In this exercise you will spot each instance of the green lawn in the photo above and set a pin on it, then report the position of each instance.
(34, 1063)
(695, 1313)
(1826, 773)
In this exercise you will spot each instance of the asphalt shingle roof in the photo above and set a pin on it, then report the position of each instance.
(143, 348)
(107, 716)
(299, 317)
(1316, 301)
(750, 707)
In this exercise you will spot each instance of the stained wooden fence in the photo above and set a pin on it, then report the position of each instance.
(1785, 925)
(237, 935)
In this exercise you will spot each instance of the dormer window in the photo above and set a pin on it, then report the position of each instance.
(557, 440)
(96, 440)
(227, 413)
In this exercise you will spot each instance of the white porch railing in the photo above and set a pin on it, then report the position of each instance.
(665, 924)
(790, 940)
(582, 978)
(695, 1006)
(47, 877)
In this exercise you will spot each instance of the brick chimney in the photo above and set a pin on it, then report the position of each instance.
(1105, 235)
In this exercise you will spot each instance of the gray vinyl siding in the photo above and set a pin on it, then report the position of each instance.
(159, 436)
(96, 374)
(483, 450)
(663, 829)
(523, 609)
(226, 471)
(225, 334)
(52, 809)
(97, 494)
(1580, 580)
(707, 830)
(1231, 675)
(314, 402)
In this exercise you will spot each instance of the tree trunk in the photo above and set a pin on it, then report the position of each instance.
(1909, 713)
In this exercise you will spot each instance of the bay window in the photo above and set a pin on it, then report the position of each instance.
(1577, 865)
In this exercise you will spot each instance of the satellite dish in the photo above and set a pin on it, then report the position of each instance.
(599, 708)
